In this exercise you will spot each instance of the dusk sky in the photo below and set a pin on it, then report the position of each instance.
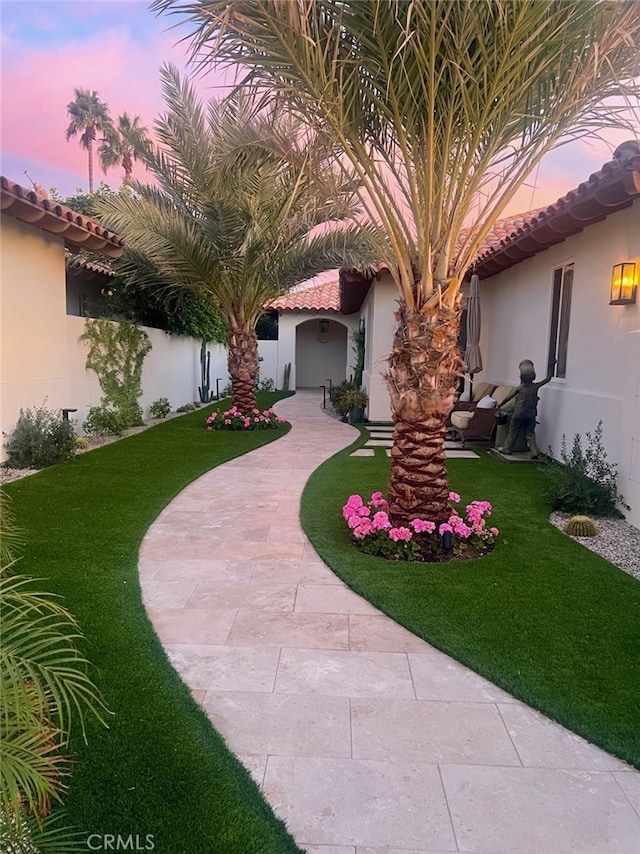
(49, 47)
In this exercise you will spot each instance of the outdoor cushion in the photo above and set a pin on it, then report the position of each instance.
(481, 390)
(465, 397)
(501, 393)
(486, 402)
(461, 419)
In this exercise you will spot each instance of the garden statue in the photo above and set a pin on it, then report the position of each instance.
(525, 408)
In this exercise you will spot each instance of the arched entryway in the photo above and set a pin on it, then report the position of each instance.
(321, 352)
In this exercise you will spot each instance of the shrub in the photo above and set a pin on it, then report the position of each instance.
(187, 407)
(101, 420)
(267, 385)
(584, 482)
(116, 354)
(41, 438)
(338, 398)
(160, 408)
(81, 443)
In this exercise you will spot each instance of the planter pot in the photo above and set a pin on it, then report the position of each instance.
(356, 415)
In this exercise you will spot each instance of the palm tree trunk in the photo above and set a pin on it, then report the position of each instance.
(242, 361)
(90, 156)
(127, 165)
(424, 369)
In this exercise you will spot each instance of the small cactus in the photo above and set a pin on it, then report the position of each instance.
(580, 526)
(81, 443)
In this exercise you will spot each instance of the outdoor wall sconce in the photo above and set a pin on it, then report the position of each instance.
(323, 326)
(623, 284)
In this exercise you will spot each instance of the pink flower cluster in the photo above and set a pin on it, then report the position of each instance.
(370, 521)
(233, 419)
(474, 524)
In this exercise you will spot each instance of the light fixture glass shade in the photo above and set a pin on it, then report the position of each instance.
(324, 327)
(623, 284)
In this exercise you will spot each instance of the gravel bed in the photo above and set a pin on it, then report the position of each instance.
(616, 541)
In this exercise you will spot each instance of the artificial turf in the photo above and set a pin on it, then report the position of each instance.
(160, 769)
(543, 617)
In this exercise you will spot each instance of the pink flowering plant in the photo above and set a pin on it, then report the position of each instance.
(233, 419)
(374, 534)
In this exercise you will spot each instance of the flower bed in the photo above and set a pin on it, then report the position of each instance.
(424, 541)
(233, 419)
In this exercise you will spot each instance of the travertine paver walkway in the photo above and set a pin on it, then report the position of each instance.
(364, 739)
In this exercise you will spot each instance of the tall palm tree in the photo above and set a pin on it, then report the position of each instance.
(88, 115)
(442, 108)
(123, 144)
(240, 213)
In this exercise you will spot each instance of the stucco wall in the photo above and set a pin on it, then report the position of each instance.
(268, 351)
(603, 356)
(33, 363)
(378, 310)
(331, 360)
(320, 356)
(42, 359)
(171, 369)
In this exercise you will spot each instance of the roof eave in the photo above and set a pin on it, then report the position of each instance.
(77, 231)
(611, 190)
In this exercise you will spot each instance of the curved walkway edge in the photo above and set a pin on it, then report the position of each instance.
(363, 738)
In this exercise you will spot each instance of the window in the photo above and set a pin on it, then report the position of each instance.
(560, 315)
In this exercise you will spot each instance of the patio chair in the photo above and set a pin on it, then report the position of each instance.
(479, 421)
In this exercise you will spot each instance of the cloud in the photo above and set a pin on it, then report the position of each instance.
(38, 82)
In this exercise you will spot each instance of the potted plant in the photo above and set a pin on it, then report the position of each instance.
(354, 403)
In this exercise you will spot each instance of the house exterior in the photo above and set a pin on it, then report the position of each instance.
(43, 307)
(545, 289)
(315, 328)
(33, 322)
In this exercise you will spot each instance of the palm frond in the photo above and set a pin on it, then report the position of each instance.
(442, 108)
(237, 193)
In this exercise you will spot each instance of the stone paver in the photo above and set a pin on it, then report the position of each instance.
(364, 738)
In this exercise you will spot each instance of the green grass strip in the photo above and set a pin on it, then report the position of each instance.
(160, 768)
(542, 617)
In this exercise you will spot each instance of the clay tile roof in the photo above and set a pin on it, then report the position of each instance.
(83, 263)
(77, 231)
(611, 189)
(323, 297)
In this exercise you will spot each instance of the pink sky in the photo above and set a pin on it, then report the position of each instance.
(51, 46)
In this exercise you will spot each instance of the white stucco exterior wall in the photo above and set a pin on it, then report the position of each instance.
(268, 352)
(329, 357)
(603, 355)
(33, 366)
(41, 357)
(171, 369)
(378, 311)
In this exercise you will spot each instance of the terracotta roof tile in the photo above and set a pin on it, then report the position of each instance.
(513, 239)
(323, 297)
(77, 231)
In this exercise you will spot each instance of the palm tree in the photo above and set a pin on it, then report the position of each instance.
(239, 214)
(442, 108)
(123, 144)
(88, 115)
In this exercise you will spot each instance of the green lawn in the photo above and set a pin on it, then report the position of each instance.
(542, 617)
(160, 768)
